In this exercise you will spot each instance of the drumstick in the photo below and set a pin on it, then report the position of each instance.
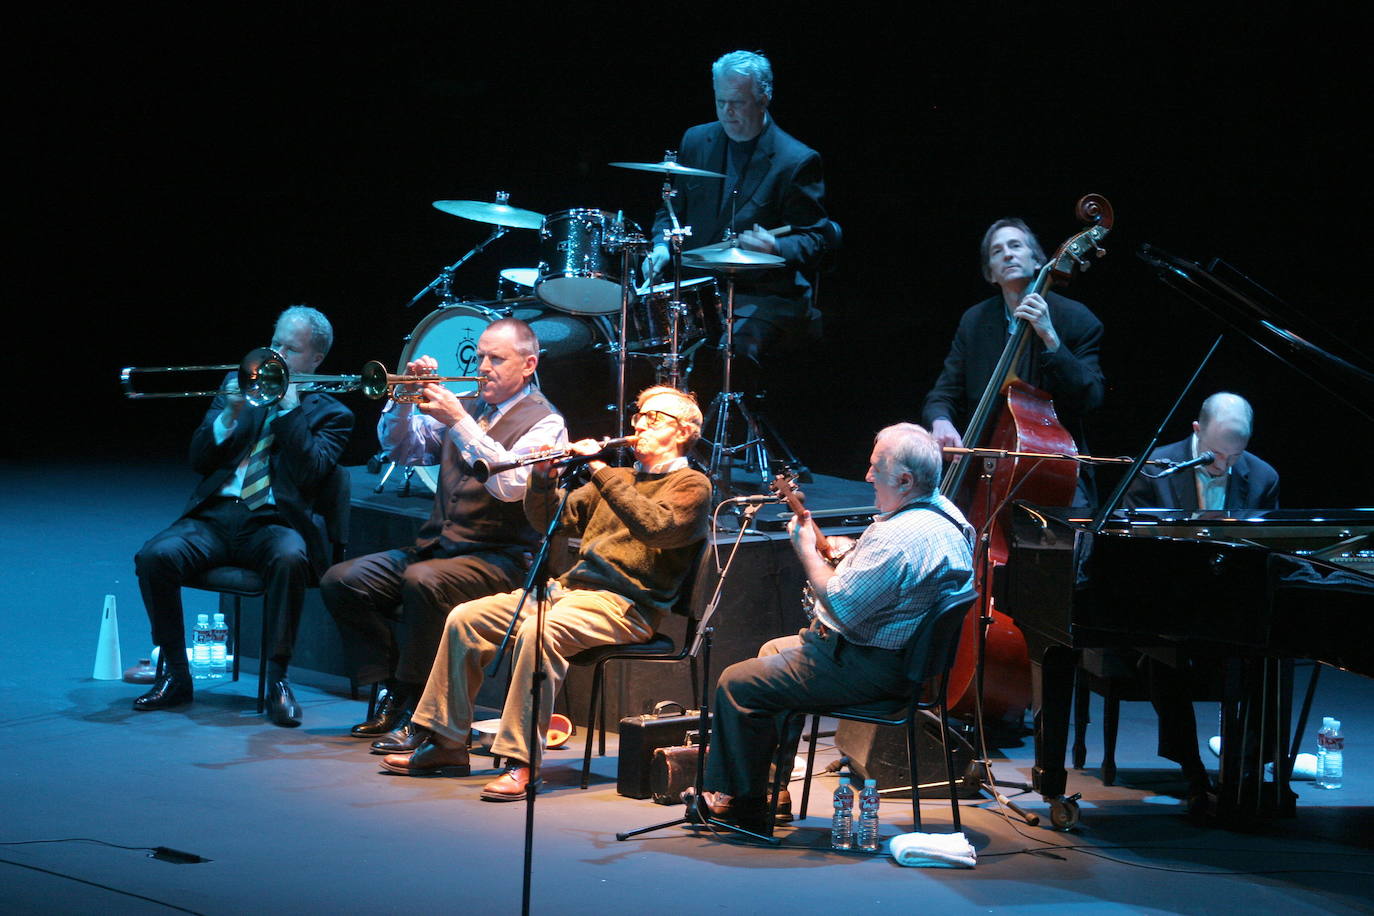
(716, 246)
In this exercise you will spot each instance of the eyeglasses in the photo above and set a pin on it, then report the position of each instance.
(653, 418)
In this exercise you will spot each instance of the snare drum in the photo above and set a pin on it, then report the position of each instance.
(579, 261)
(651, 322)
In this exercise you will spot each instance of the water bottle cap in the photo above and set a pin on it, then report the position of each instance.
(844, 780)
(202, 618)
(870, 783)
(219, 618)
(1333, 724)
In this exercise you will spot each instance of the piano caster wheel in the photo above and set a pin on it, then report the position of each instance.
(1064, 812)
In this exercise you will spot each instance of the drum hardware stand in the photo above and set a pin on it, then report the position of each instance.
(697, 813)
(444, 279)
(719, 468)
(629, 244)
(674, 235)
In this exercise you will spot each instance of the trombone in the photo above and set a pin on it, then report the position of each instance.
(263, 378)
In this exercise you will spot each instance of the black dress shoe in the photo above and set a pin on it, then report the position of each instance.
(282, 707)
(172, 689)
(391, 713)
(403, 740)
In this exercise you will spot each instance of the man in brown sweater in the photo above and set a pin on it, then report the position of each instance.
(639, 530)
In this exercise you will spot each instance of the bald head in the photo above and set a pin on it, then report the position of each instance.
(1223, 427)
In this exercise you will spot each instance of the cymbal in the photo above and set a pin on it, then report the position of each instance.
(668, 167)
(492, 214)
(728, 260)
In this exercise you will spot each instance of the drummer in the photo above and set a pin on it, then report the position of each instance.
(771, 180)
(477, 541)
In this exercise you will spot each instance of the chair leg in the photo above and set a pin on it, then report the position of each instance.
(591, 726)
(914, 770)
(1111, 720)
(810, 766)
(262, 661)
(237, 641)
(782, 772)
(600, 677)
(949, 767)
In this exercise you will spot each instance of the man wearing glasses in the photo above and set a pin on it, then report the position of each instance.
(639, 529)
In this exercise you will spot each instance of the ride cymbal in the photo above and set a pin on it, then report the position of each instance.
(731, 259)
(668, 167)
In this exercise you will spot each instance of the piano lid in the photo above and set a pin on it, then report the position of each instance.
(1272, 325)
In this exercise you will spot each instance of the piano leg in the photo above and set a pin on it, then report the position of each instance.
(1052, 681)
(1254, 731)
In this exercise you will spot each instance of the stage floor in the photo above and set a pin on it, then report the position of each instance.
(304, 821)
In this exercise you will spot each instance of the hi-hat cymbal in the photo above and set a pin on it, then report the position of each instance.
(732, 259)
(493, 214)
(667, 166)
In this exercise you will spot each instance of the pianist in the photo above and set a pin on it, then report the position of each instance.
(1235, 479)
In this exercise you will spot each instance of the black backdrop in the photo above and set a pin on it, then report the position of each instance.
(185, 172)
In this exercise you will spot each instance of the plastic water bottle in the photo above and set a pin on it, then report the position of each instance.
(200, 648)
(1330, 754)
(868, 816)
(219, 647)
(842, 822)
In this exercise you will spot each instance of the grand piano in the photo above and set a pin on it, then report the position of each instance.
(1253, 591)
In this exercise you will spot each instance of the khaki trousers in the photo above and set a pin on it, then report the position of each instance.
(577, 619)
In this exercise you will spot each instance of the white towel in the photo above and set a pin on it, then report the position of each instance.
(939, 850)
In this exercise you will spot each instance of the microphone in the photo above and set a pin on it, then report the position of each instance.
(1204, 458)
(756, 500)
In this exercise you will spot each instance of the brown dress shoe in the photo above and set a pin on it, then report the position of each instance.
(512, 785)
(430, 760)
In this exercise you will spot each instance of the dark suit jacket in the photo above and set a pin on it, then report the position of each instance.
(308, 443)
(782, 186)
(1253, 484)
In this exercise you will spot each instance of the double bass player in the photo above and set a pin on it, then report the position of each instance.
(1061, 359)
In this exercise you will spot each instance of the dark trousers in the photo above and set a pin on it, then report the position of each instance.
(365, 594)
(754, 696)
(225, 532)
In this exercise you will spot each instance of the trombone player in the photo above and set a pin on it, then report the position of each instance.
(477, 541)
(261, 470)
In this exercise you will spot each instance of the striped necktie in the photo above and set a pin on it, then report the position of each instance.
(256, 479)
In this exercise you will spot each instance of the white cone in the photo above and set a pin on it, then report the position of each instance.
(108, 666)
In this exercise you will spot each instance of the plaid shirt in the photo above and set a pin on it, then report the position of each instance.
(903, 565)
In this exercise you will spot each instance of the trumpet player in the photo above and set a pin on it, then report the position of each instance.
(477, 540)
(261, 471)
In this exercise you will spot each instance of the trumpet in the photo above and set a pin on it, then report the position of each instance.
(263, 378)
(561, 457)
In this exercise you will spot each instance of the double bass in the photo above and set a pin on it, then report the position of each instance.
(1014, 416)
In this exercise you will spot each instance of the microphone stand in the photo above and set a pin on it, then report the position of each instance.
(697, 813)
(536, 583)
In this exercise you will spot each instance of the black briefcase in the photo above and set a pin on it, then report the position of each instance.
(640, 736)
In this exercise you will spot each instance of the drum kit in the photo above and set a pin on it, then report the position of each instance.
(597, 329)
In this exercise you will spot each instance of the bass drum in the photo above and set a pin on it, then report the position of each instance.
(576, 366)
